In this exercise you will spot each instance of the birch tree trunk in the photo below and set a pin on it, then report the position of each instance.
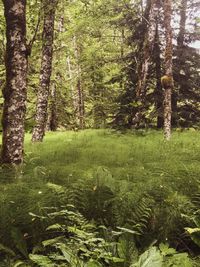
(15, 89)
(46, 69)
(145, 60)
(168, 84)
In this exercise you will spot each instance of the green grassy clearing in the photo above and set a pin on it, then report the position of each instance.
(127, 169)
(139, 158)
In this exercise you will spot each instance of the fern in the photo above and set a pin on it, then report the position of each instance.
(73, 241)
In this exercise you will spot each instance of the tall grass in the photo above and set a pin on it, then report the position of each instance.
(134, 166)
(137, 157)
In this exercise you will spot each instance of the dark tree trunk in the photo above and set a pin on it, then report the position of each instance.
(79, 95)
(46, 69)
(168, 78)
(52, 122)
(81, 108)
(158, 91)
(15, 89)
(180, 61)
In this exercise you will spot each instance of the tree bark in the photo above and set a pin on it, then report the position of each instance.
(79, 95)
(147, 51)
(180, 61)
(158, 90)
(143, 68)
(16, 83)
(168, 69)
(46, 69)
(52, 122)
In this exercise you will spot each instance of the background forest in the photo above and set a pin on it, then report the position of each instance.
(98, 47)
(104, 188)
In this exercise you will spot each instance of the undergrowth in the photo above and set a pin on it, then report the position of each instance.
(135, 188)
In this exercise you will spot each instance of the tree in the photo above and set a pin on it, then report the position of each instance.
(158, 90)
(14, 92)
(167, 80)
(46, 69)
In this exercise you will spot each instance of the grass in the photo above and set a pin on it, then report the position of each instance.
(132, 164)
(139, 158)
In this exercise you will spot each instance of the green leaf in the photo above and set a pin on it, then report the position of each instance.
(192, 230)
(6, 250)
(126, 230)
(150, 258)
(56, 226)
(19, 241)
(166, 250)
(51, 242)
(93, 263)
(41, 260)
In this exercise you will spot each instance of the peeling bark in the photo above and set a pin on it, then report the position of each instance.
(168, 68)
(16, 83)
(46, 69)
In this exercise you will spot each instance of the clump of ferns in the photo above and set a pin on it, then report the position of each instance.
(70, 238)
(135, 217)
(95, 197)
(77, 195)
(170, 221)
(193, 220)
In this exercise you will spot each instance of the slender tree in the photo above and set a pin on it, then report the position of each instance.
(143, 67)
(52, 122)
(15, 89)
(158, 89)
(78, 95)
(179, 62)
(167, 79)
(46, 69)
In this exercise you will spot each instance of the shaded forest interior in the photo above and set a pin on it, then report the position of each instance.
(100, 133)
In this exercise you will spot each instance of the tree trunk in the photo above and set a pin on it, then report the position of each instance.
(180, 61)
(79, 96)
(15, 89)
(158, 91)
(181, 34)
(81, 108)
(46, 69)
(52, 122)
(143, 68)
(168, 85)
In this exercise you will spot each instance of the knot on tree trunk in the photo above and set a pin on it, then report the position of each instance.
(167, 81)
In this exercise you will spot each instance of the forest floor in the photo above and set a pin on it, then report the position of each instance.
(143, 158)
(140, 157)
(126, 167)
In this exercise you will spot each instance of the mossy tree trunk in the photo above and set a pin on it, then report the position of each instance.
(168, 69)
(45, 73)
(15, 89)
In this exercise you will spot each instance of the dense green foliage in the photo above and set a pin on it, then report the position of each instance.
(98, 46)
(117, 196)
(101, 198)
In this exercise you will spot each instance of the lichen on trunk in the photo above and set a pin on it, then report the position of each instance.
(45, 73)
(167, 80)
(14, 92)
